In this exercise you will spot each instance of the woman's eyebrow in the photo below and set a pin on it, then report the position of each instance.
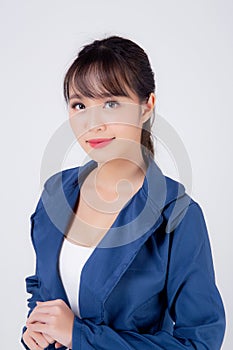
(75, 96)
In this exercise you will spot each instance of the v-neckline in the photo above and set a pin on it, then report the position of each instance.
(83, 178)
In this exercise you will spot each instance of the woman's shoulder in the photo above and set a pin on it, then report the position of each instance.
(179, 204)
(176, 191)
(66, 177)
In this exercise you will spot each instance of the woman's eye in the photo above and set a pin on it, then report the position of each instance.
(111, 104)
(77, 106)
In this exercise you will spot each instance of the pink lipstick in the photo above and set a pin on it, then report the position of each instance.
(99, 143)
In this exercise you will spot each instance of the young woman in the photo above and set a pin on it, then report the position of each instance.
(123, 258)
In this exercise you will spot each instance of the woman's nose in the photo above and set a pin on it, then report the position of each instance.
(94, 117)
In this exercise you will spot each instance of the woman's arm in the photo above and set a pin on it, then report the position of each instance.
(32, 283)
(33, 288)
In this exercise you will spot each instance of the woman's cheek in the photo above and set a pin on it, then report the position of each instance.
(78, 127)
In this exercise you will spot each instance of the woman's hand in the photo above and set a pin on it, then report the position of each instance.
(36, 340)
(54, 319)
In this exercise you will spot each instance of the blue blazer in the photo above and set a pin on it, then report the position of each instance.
(149, 284)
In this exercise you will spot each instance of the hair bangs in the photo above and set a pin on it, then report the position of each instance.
(99, 77)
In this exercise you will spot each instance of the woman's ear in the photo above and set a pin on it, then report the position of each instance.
(147, 108)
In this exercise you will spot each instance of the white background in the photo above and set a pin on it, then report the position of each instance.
(189, 44)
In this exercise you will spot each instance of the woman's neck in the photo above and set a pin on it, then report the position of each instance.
(111, 175)
(111, 184)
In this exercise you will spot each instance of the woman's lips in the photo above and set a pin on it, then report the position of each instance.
(99, 143)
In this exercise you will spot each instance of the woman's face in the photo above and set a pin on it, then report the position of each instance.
(107, 128)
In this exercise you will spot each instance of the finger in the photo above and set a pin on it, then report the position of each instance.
(50, 302)
(54, 309)
(49, 339)
(39, 339)
(38, 327)
(38, 317)
(34, 341)
(30, 342)
(58, 345)
(47, 309)
(42, 310)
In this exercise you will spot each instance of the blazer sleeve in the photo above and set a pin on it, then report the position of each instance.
(33, 284)
(32, 287)
(193, 301)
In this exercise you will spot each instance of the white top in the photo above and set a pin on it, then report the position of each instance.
(72, 259)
